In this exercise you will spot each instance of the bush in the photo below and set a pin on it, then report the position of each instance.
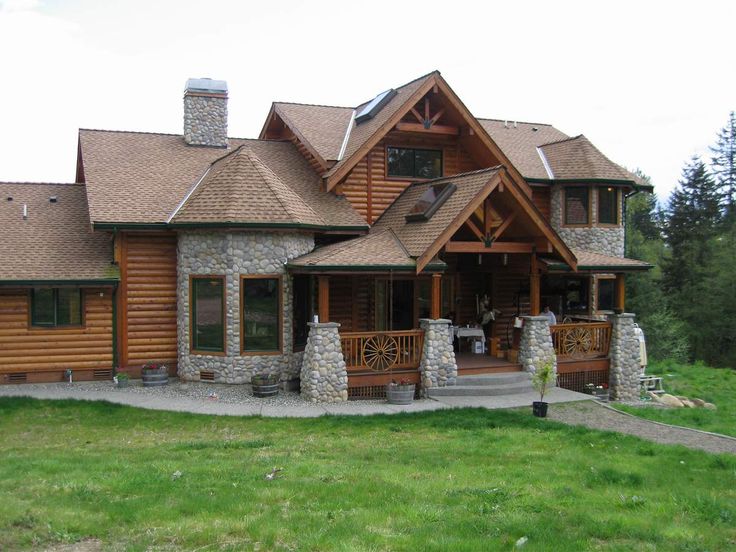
(665, 335)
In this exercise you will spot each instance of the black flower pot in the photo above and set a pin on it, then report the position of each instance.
(539, 409)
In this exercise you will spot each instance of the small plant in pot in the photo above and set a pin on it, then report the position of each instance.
(121, 380)
(154, 375)
(265, 385)
(400, 392)
(542, 380)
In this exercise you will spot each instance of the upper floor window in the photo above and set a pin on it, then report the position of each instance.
(577, 205)
(54, 307)
(208, 313)
(607, 206)
(414, 163)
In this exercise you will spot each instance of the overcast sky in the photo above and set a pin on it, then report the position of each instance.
(650, 83)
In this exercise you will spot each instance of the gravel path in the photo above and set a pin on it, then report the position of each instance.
(598, 416)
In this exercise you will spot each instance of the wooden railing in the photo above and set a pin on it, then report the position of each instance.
(581, 340)
(382, 351)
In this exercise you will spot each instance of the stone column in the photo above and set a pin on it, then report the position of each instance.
(624, 356)
(536, 345)
(437, 367)
(324, 376)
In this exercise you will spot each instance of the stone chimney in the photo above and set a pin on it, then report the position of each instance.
(205, 113)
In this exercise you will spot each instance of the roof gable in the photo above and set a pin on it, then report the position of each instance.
(577, 158)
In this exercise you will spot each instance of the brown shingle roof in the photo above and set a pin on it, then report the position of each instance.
(578, 158)
(239, 188)
(379, 249)
(588, 260)
(322, 126)
(361, 133)
(418, 236)
(519, 141)
(56, 241)
(135, 177)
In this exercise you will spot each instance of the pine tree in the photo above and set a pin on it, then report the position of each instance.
(723, 164)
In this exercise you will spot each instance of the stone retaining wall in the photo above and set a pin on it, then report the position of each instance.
(232, 254)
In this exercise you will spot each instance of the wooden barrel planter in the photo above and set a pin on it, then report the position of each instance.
(265, 385)
(154, 376)
(397, 393)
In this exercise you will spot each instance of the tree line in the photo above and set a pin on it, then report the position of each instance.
(687, 304)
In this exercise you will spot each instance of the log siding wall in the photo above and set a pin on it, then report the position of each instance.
(25, 349)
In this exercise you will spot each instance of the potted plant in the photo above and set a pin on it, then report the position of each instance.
(154, 375)
(542, 380)
(265, 385)
(400, 392)
(122, 380)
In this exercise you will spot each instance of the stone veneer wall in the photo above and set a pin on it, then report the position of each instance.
(437, 367)
(324, 374)
(232, 254)
(535, 346)
(598, 239)
(624, 356)
(205, 120)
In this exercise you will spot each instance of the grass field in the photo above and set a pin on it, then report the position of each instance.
(447, 480)
(716, 385)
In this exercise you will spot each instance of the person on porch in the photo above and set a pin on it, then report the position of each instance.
(550, 315)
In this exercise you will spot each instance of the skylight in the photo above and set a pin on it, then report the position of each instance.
(375, 105)
(431, 200)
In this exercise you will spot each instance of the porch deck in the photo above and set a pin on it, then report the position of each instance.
(469, 363)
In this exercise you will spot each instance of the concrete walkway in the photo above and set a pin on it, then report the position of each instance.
(286, 405)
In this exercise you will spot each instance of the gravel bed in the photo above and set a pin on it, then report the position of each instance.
(597, 416)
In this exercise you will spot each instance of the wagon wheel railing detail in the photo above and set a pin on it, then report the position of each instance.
(380, 352)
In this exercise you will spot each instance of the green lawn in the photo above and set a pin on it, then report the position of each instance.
(447, 480)
(716, 385)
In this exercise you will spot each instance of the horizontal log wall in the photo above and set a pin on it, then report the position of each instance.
(52, 350)
(372, 196)
(542, 200)
(149, 299)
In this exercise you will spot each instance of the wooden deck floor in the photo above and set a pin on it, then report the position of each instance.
(469, 363)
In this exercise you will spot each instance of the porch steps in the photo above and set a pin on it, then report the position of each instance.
(486, 385)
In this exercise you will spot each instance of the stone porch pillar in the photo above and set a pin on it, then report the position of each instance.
(624, 356)
(535, 346)
(324, 376)
(437, 367)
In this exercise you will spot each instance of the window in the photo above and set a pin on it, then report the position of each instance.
(606, 294)
(208, 313)
(261, 308)
(576, 205)
(431, 200)
(303, 310)
(54, 307)
(414, 163)
(607, 206)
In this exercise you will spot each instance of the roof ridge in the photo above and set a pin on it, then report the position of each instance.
(170, 134)
(314, 105)
(26, 183)
(514, 121)
(436, 71)
(569, 139)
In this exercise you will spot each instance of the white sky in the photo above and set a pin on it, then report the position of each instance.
(650, 83)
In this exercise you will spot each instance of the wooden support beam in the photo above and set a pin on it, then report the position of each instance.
(620, 293)
(487, 216)
(501, 229)
(470, 224)
(437, 116)
(324, 298)
(426, 108)
(496, 247)
(534, 287)
(417, 115)
(434, 129)
(436, 296)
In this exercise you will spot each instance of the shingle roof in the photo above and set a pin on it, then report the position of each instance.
(239, 188)
(519, 141)
(136, 177)
(578, 158)
(361, 133)
(418, 236)
(56, 241)
(322, 126)
(379, 249)
(588, 260)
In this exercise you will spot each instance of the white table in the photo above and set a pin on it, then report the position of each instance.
(469, 333)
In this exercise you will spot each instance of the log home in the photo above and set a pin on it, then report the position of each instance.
(423, 240)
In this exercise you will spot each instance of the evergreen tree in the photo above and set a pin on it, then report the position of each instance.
(723, 164)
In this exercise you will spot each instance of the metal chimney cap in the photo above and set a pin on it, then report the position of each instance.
(206, 85)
